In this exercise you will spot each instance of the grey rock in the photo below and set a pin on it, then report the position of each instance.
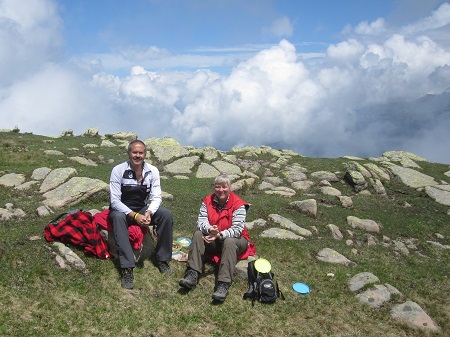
(366, 224)
(378, 172)
(378, 186)
(125, 136)
(279, 233)
(43, 211)
(40, 173)
(400, 155)
(286, 223)
(438, 244)
(308, 207)
(91, 132)
(70, 256)
(360, 280)
(265, 186)
(327, 190)
(295, 172)
(281, 191)
(356, 180)
(226, 167)
(182, 166)
(410, 177)
(27, 185)
(238, 185)
(400, 247)
(331, 256)
(411, 314)
(208, 153)
(354, 166)
(107, 143)
(335, 232)
(375, 297)
(325, 175)
(302, 185)
(75, 190)
(83, 161)
(56, 177)
(256, 223)
(166, 149)
(54, 152)
(440, 193)
(90, 146)
(206, 171)
(346, 202)
(12, 179)
(10, 212)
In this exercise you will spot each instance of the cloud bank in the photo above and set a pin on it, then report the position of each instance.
(381, 88)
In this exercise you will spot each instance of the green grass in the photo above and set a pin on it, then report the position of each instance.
(37, 298)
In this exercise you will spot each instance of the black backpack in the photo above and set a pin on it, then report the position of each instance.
(261, 286)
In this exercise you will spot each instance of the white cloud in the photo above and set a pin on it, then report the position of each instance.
(342, 105)
(281, 27)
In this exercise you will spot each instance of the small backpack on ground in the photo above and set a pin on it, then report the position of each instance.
(261, 286)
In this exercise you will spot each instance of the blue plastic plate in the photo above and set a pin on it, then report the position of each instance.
(301, 288)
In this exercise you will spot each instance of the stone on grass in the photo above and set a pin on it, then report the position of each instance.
(56, 177)
(331, 256)
(286, 223)
(182, 166)
(308, 206)
(410, 177)
(375, 297)
(327, 190)
(279, 233)
(83, 161)
(226, 167)
(76, 190)
(12, 179)
(412, 315)
(206, 171)
(360, 280)
(366, 224)
(40, 173)
(440, 193)
(346, 202)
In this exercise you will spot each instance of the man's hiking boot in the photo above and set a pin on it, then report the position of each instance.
(127, 278)
(190, 279)
(164, 267)
(221, 291)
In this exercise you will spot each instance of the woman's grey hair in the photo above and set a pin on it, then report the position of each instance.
(222, 179)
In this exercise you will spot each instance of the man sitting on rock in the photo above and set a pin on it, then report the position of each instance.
(135, 193)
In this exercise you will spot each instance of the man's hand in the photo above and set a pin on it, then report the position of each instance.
(144, 220)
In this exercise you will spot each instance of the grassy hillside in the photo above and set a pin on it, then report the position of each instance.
(37, 298)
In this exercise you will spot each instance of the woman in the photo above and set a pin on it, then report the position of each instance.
(220, 231)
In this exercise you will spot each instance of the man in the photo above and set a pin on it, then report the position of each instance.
(135, 193)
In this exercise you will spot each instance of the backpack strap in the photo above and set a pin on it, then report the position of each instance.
(279, 292)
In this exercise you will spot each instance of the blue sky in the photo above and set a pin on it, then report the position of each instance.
(323, 78)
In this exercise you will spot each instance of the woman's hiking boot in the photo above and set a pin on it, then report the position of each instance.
(221, 291)
(190, 279)
(127, 278)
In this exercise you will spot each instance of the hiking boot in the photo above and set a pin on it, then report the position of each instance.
(190, 279)
(164, 267)
(221, 291)
(127, 278)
